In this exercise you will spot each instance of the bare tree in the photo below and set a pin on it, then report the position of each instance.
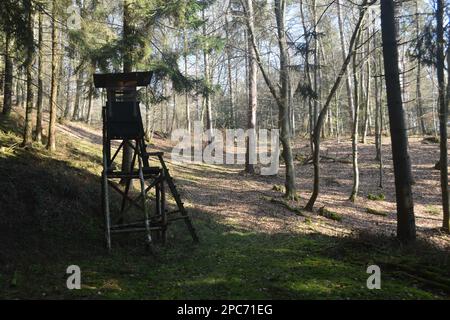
(127, 155)
(406, 227)
(51, 143)
(29, 60)
(207, 75)
(7, 94)
(280, 97)
(356, 97)
(348, 84)
(320, 121)
(419, 107)
(40, 88)
(186, 95)
(230, 72)
(252, 95)
(443, 113)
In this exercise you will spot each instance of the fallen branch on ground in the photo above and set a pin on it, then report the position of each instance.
(376, 212)
(323, 157)
(285, 204)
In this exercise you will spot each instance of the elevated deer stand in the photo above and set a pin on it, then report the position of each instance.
(122, 121)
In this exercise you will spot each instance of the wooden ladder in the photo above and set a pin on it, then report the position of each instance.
(173, 189)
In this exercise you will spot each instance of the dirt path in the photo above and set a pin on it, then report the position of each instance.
(80, 131)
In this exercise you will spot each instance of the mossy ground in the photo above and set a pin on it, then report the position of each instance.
(50, 218)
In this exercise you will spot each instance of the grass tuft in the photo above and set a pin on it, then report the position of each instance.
(376, 197)
(278, 188)
(433, 210)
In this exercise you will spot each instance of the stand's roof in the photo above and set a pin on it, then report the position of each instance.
(122, 80)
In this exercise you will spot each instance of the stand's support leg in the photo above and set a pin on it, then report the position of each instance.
(105, 204)
(158, 205)
(189, 225)
(163, 212)
(173, 190)
(124, 201)
(105, 189)
(127, 189)
(144, 204)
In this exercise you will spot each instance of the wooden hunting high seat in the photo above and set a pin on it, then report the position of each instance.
(122, 121)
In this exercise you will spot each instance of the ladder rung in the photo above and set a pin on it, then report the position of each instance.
(154, 154)
(178, 218)
(148, 172)
(129, 230)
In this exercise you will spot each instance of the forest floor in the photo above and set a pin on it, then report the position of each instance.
(251, 245)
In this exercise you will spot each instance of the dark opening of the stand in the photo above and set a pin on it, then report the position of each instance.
(124, 121)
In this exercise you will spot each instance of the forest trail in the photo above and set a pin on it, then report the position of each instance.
(79, 131)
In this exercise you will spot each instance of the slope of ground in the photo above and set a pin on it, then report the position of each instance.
(250, 247)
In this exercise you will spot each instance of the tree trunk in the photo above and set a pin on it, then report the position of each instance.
(40, 90)
(69, 76)
(406, 227)
(367, 95)
(419, 107)
(166, 108)
(148, 119)
(76, 107)
(316, 155)
(186, 95)
(127, 155)
(446, 217)
(434, 105)
(443, 113)
(230, 74)
(338, 114)
(380, 134)
(198, 104)
(91, 93)
(29, 60)
(378, 116)
(355, 166)
(207, 97)
(315, 62)
(174, 124)
(252, 97)
(348, 84)
(22, 85)
(51, 144)
(61, 75)
(7, 94)
(281, 101)
(308, 79)
(283, 114)
(17, 92)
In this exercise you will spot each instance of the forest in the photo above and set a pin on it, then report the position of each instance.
(349, 97)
